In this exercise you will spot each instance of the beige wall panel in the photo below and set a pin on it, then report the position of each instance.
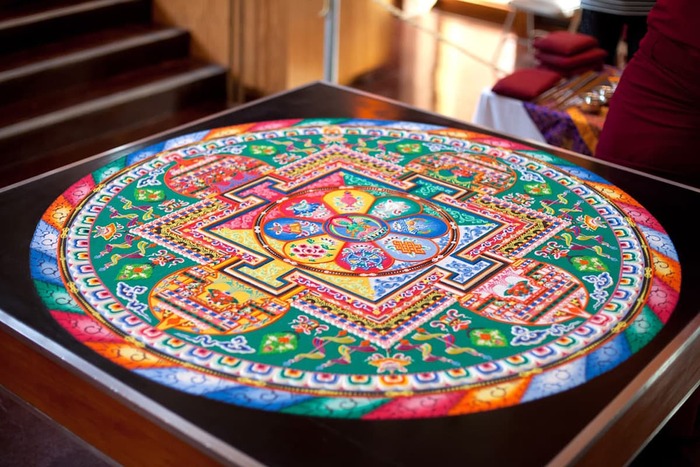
(305, 41)
(208, 22)
(259, 45)
(281, 42)
(273, 45)
(366, 34)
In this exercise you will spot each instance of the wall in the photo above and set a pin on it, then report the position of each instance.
(273, 45)
(207, 20)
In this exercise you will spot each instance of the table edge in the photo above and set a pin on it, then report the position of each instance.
(125, 394)
(629, 407)
(625, 405)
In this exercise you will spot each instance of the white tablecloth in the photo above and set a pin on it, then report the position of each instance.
(506, 115)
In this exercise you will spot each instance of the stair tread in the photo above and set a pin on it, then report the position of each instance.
(15, 115)
(24, 9)
(90, 41)
(46, 8)
(22, 169)
(50, 20)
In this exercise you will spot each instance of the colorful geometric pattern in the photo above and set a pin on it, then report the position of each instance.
(355, 268)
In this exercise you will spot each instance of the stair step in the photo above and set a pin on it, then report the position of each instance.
(33, 23)
(79, 77)
(29, 128)
(111, 90)
(87, 58)
(23, 168)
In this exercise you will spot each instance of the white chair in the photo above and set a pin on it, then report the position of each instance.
(568, 10)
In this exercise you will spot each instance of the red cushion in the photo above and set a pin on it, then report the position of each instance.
(526, 84)
(597, 66)
(565, 43)
(572, 61)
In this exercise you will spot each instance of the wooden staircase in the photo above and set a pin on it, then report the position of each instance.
(79, 77)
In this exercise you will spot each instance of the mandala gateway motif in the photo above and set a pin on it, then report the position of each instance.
(354, 268)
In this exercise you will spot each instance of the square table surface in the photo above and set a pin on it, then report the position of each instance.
(607, 419)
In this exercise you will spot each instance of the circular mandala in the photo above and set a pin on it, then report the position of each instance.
(355, 268)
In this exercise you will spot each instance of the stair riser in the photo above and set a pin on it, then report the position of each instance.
(18, 34)
(33, 144)
(80, 72)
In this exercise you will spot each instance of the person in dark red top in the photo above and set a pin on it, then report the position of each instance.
(653, 123)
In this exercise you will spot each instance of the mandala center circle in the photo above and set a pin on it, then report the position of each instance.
(356, 228)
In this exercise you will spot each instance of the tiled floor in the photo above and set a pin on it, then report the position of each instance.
(439, 76)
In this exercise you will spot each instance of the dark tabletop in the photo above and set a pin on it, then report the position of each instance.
(526, 434)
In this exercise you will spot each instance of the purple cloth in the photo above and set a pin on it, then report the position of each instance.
(557, 128)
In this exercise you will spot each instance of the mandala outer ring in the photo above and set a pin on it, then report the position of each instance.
(625, 232)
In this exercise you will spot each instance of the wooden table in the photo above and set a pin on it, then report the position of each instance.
(135, 421)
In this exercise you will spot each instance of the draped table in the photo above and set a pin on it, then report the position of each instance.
(560, 122)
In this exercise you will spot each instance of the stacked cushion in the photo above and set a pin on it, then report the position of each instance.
(565, 43)
(526, 83)
(569, 53)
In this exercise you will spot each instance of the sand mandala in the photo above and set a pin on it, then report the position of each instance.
(355, 268)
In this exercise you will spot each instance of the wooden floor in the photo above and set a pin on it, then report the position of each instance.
(442, 61)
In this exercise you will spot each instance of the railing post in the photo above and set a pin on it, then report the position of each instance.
(330, 40)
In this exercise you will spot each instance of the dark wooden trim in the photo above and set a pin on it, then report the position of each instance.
(88, 412)
(636, 415)
(483, 9)
(494, 12)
